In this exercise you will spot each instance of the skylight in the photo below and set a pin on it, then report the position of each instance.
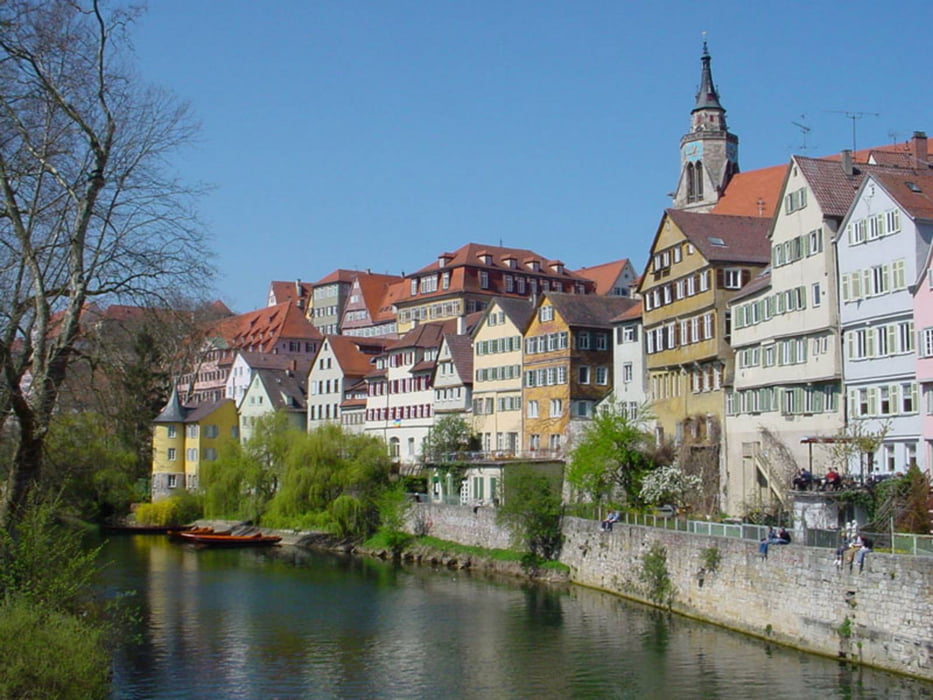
(715, 240)
(913, 187)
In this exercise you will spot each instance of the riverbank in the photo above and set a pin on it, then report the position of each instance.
(795, 596)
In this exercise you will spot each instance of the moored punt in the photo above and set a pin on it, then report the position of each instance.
(227, 540)
(197, 530)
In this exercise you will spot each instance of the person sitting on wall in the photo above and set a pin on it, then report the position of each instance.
(803, 480)
(832, 481)
(613, 517)
(782, 536)
(865, 548)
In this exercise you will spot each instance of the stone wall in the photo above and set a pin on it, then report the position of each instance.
(796, 596)
(468, 525)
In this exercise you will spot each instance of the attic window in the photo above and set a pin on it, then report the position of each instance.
(913, 187)
(715, 240)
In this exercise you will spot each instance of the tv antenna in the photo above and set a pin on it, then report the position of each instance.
(804, 129)
(854, 116)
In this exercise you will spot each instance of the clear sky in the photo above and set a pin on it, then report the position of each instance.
(352, 134)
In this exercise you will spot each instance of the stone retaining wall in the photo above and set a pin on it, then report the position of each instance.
(796, 596)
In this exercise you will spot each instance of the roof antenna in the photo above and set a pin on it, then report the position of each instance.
(804, 129)
(854, 116)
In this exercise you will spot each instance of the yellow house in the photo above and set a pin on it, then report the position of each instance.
(497, 375)
(184, 437)
(698, 262)
(567, 367)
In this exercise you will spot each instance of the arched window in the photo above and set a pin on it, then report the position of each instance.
(698, 180)
(394, 448)
(691, 193)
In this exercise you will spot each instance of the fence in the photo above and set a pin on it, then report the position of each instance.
(897, 542)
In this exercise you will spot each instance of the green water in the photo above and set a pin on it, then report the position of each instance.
(290, 624)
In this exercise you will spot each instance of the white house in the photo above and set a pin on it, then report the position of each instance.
(880, 249)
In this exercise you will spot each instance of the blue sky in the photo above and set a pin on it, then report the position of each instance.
(378, 134)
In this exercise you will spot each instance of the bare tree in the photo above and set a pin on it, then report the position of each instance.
(89, 209)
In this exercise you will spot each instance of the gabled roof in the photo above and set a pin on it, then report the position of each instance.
(393, 293)
(426, 335)
(267, 360)
(352, 360)
(752, 193)
(588, 310)
(290, 291)
(373, 289)
(911, 190)
(284, 389)
(736, 239)
(604, 276)
(264, 328)
(517, 309)
(461, 354)
(337, 276)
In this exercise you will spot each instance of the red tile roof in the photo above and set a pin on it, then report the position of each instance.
(337, 276)
(262, 329)
(352, 360)
(471, 255)
(291, 291)
(461, 353)
(753, 193)
(604, 276)
(630, 314)
(589, 310)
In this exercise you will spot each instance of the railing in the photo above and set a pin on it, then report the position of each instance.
(902, 542)
(497, 455)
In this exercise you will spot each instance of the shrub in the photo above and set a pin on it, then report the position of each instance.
(49, 654)
(349, 517)
(654, 575)
(182, 508)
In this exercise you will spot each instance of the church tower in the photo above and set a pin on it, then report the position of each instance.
(709, 154)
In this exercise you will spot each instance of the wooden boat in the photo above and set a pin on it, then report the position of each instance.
(228, 540)
(177, 533)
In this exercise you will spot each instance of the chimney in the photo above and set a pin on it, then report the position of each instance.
(847, 162)
(461, 325)
(918, 149)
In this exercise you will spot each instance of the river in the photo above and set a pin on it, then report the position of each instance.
(286, 623)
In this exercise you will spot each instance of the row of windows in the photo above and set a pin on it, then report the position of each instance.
(493, 374)
(398, 413)
(789, 351)
(665, 258)
(795, 200)
(488, 405)
(874, 281)
(800, 400)
(450, 394)
(873, 227)
(558, 375)
(803, 246)
(399, 386)
(208, 454)
(548, 342)
(880, 341)
(323, 411)
(685, 332)
(885, 400)
(325, 386)
(681, 289)
(788, 301)
(496, 345)
(191, 431)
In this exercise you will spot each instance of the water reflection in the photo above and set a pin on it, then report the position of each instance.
(290, 624)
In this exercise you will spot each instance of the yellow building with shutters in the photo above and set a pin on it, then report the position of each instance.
(183, 438)
(698, 262)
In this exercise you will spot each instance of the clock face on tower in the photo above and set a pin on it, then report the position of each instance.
(693, 151)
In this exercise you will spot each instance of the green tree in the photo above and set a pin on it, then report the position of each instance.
(89, 465)
(88, 208)
(531, 510)
(449, 436)
(613, 454)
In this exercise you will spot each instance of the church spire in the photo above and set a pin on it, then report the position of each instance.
(709, 155)
(707, 97)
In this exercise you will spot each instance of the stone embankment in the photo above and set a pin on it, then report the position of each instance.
(796, 596)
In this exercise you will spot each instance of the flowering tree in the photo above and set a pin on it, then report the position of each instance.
(669, 484)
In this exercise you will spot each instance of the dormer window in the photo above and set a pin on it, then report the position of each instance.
(444, 259)
(557, 267)
(510, 262)
(485, 257)
(533, 264)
